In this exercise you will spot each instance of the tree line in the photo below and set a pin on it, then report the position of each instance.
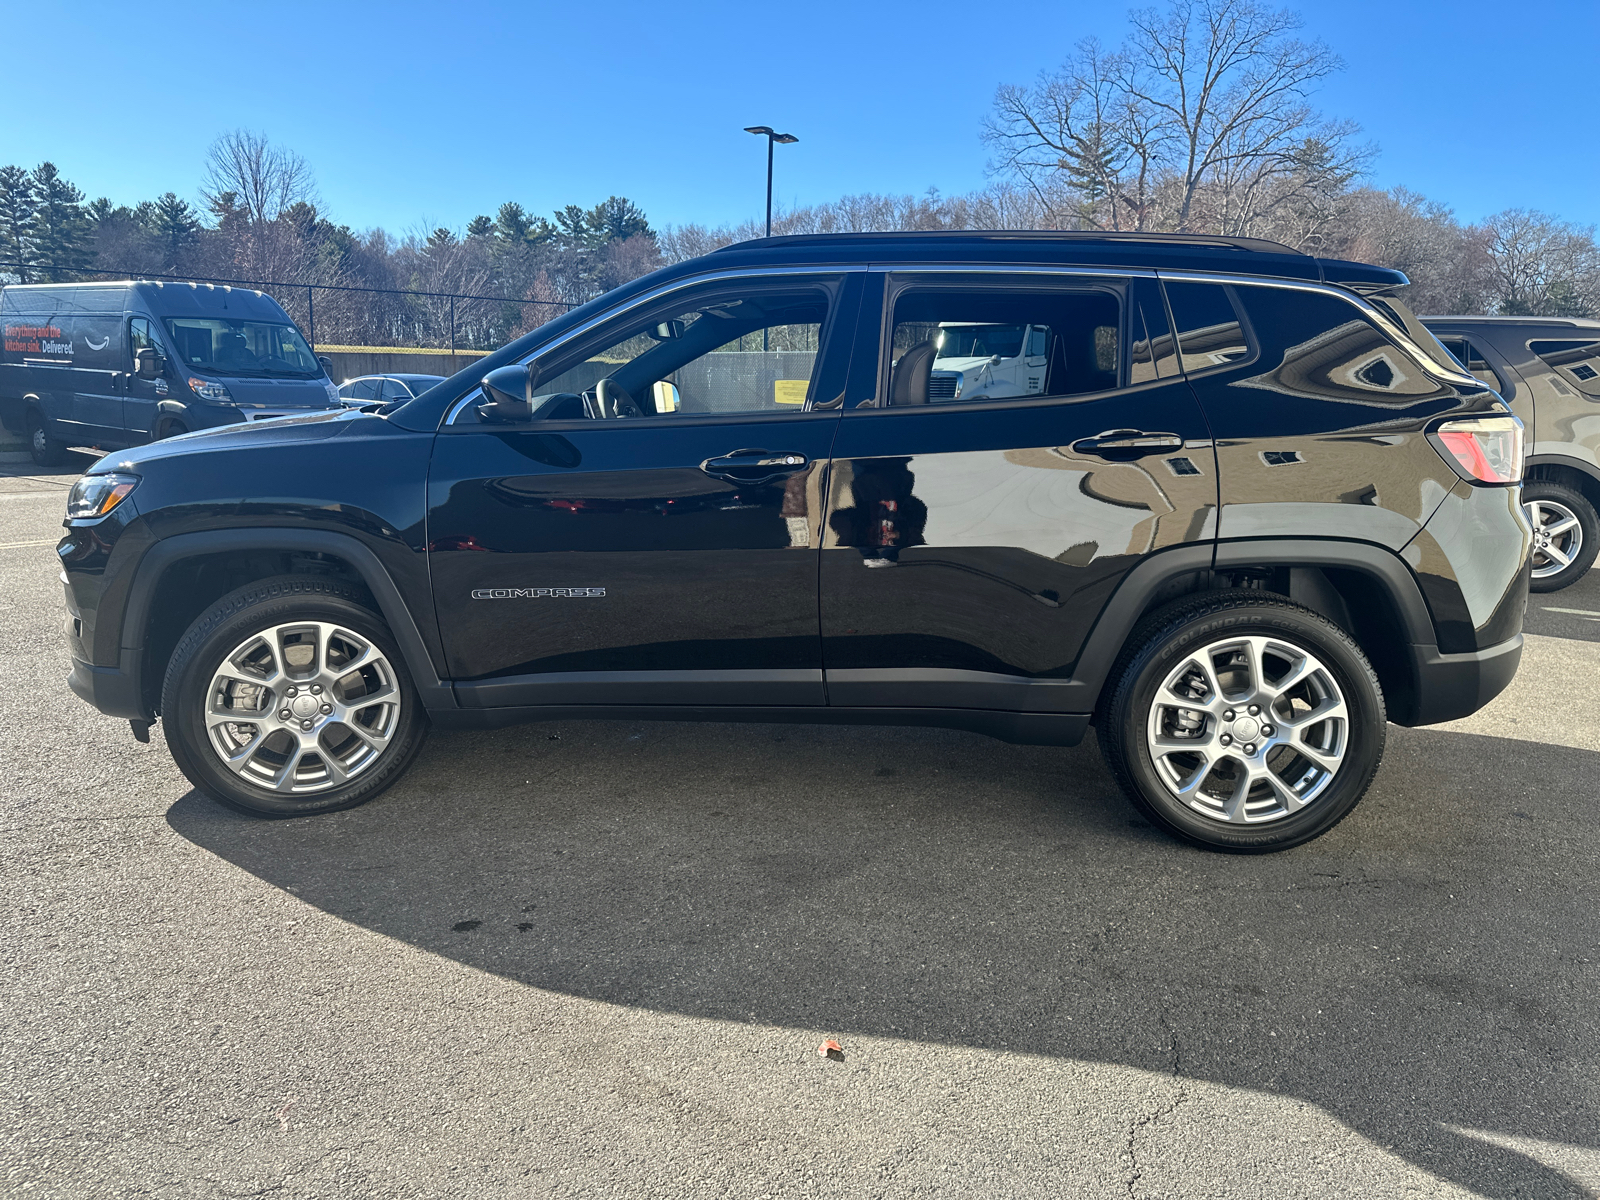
(1199, 122)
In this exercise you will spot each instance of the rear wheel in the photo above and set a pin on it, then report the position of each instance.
(289, 698)
(47, 451)
(1243, 722)
(1566, 534)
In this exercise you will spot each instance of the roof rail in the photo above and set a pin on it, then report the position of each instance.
(1218, 241)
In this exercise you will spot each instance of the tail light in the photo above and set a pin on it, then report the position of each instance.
(1482, 449)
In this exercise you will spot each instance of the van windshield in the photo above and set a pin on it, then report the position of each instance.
(228, 347)
(980, 341)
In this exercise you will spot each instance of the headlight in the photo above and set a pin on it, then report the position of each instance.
(96, 495)
(211, 393)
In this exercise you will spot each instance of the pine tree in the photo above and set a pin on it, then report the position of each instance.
(63, 246)
(174, 226)
(17, 221)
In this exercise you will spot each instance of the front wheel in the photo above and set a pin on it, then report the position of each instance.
(289, 698)
(1242, 722)
(1566, 534)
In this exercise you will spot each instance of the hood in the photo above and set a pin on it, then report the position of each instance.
(960, 364)
(250, 392)
(314, 427)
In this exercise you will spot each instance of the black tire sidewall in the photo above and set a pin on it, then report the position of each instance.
(1588, 521)
(251, 610)
(1166, 647)
(54, 449)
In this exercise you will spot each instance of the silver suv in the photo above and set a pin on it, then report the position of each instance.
(1548, 370)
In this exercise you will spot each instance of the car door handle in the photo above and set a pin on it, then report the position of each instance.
(753, 466)
(1127, 442)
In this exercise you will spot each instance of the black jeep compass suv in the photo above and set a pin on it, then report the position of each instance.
(1229, 503)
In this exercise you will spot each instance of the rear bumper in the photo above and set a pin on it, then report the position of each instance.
(1457, 685)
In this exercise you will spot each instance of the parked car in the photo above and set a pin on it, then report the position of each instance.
(1548, 370)
(1253, 512)
(371, 391)
(110, 365)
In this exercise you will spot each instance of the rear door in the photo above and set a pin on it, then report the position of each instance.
(666, 551)
(971, 546)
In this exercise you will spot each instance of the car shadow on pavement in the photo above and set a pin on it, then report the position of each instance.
(1427, 966)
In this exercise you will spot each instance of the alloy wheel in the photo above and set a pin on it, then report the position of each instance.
(1248, 730)
(1557, 536)
(302, 707)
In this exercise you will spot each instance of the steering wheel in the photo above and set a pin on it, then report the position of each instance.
(613, 400)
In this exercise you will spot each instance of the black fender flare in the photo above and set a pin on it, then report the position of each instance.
(435, 693)
(1387, 569)
(1562, 460)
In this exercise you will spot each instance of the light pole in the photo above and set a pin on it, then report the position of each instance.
(788, 139)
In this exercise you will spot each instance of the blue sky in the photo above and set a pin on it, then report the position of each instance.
(414, 114)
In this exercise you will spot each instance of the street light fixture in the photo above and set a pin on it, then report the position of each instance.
(788, 139)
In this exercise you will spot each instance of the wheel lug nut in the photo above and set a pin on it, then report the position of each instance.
(292, 692)
(316, 688)
(1249, 747)
(1266, 731)
(1254, 710)
(327, 708)
(305, 724)
(285, 714)
(1227, 739)
(1228, 716)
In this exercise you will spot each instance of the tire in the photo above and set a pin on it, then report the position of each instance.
(46, 450)
(169, 429)
(1279, 790)
(334, 752)
(1565, 526)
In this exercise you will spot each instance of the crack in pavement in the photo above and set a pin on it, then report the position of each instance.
(1130, 1151)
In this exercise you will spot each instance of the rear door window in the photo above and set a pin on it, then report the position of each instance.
(965, 344)
(1210, 332)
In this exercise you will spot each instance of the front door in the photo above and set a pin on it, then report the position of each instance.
(657, 540)
(971, 544)
(143, 396)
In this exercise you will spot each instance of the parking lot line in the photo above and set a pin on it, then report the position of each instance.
(1577, 612)
(39, 542)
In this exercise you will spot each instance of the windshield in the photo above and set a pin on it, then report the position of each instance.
(980, 341)
(229, 347)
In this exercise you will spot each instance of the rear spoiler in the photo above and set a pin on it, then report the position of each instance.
(1361, 278)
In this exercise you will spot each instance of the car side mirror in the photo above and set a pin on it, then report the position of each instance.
(150, 364)
(327, 365)
(511, 399)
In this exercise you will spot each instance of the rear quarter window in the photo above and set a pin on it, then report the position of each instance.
(1576, 360)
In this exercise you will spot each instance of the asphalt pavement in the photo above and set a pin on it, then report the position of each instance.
(598, 960)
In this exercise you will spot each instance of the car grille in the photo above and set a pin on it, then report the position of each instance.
(942, 387)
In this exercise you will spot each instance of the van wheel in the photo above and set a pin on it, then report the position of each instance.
(1242, 722)
(1566, 534)
(289, 698)
(170, 429)
(46, 450)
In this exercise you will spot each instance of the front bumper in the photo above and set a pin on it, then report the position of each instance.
(113, 690)
(1449, 686)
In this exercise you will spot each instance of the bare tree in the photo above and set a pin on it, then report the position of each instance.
(1199, 121)
(246, 173)
(1541, 265)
